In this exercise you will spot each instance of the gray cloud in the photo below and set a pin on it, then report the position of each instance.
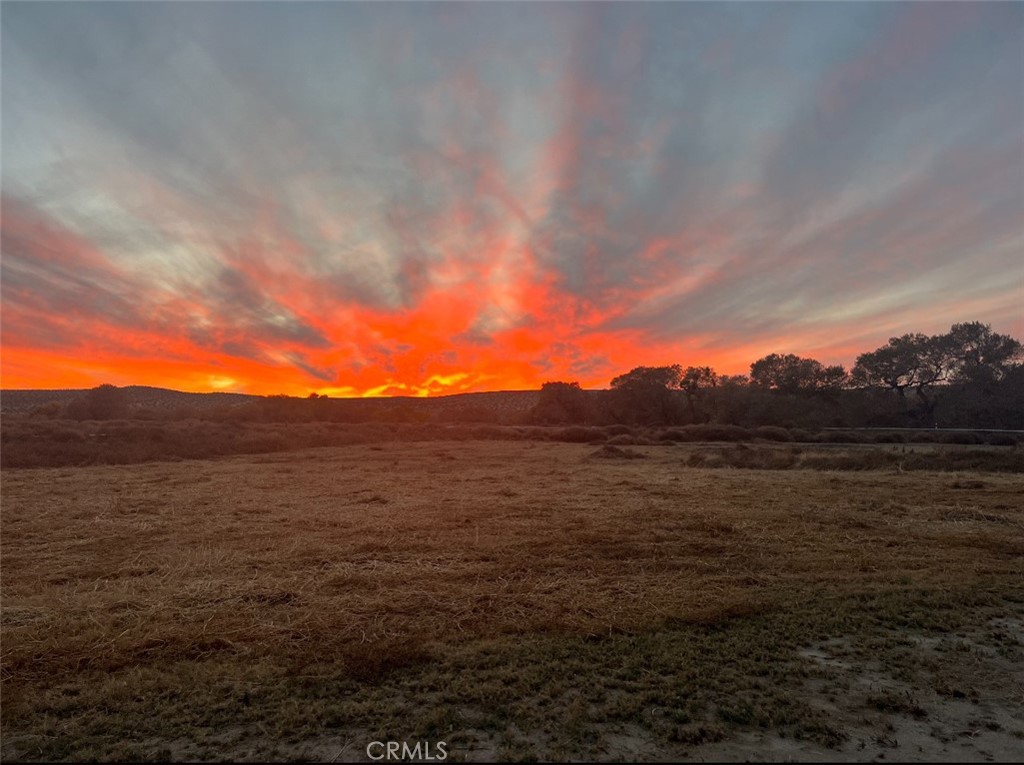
(269, 180)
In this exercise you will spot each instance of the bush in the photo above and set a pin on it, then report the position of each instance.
(105, 402)
(772, 433)
(715, 433)
(675, 434)
(491, 433)
(618, 430)
(52, 410)
(970, 439)
(578, 434)
(842, 437)
(532, 433)
(803, 436)
(1001, 439)
(622, 440)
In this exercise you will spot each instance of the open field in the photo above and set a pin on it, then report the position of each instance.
(517, 600)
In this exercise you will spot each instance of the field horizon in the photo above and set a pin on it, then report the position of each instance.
(25, 399)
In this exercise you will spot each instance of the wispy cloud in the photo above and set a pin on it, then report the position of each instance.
(399, 198)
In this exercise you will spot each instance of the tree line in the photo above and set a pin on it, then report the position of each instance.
(968, 377)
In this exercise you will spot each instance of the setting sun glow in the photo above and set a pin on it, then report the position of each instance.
(364, 200)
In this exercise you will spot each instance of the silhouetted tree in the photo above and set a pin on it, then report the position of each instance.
(649, 378)
(695, 381)
(560, 403)
(833, 377)
(913, 361)
(979, 355)
(733, 381)
(793, 374)
(649, 394)
(105, 402)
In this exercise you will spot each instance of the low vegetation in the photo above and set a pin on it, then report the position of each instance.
(36, 442)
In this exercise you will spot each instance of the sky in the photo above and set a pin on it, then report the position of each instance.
(422, 199)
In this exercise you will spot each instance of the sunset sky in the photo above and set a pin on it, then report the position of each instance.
(412, 199)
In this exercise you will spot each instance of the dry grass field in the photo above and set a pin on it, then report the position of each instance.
(517, 600)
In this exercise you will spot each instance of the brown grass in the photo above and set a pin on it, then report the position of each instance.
(29, 441)
(376, 560)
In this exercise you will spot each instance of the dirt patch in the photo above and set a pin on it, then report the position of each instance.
(915, 697)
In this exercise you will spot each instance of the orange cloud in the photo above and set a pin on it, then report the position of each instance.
(374, 220)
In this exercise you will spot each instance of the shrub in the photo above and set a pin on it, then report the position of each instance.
(65, 434)
(1000, 439)
(842, 437)
(890, 438)
(765, 459)
(105, 402)
(52, 410)
(533, 433)
(675, 434)
(960, 438)
(622, 440)
(648, 437)
(455, 433)
(618, 430)
(772, 433)
(578, 434)
(490, 433)
(803, 436)
(715, 433)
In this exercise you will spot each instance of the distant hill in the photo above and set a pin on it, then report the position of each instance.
(141, 396)
(145, 397)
